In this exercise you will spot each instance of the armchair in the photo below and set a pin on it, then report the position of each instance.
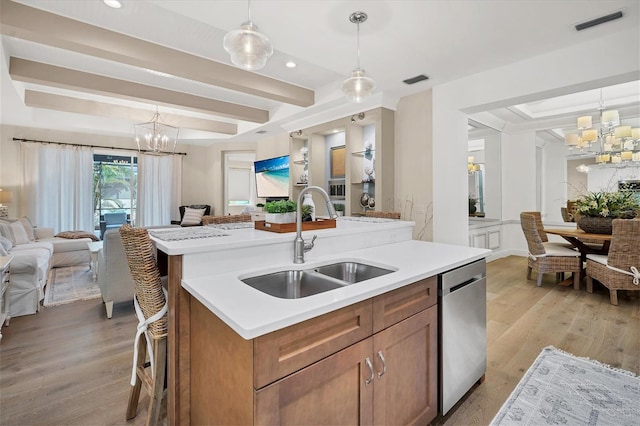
(112, 220)
(114, 276)
(182, 209)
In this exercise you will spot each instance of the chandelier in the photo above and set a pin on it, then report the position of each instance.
(249, 49)
(611, 142)
(156, 137)
(471, 165)
(357, 87)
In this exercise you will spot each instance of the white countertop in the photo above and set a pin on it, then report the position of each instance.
(252, 313)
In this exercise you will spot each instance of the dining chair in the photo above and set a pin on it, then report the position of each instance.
(210, 220)
(550, 258)
(385, 215)
(151, 337)
(619, 270)
(543, 235)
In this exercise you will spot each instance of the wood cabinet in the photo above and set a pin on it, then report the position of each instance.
(374, 362)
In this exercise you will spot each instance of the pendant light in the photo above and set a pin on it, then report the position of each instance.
(249, 49)
(357, 87)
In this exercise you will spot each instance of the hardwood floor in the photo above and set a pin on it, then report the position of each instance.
(68, 365)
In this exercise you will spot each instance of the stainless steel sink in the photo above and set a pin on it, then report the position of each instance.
(352, 272)
(292, 284)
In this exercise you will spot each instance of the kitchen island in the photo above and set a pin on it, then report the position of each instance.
(238, 355)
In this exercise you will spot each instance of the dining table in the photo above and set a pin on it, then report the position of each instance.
(586, 243)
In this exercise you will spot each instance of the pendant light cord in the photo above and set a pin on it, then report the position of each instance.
(358, 43)
(249, 10)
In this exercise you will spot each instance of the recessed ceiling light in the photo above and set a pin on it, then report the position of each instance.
(290, 64)
(113, 3)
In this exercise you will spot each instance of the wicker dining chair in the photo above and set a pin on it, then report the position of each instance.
(550, 258)
(151, 309)
(385, 215)
(543, 235)
(619, 269)
(209, 220)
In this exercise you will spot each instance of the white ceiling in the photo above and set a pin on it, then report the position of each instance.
(444, 39)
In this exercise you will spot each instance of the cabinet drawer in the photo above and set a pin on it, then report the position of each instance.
(285, 351)
(392, 307)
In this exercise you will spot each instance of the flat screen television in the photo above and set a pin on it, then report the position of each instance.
(272, 178)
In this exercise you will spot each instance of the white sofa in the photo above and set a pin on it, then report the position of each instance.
(32, 261)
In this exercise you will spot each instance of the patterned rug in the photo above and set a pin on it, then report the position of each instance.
(70, 284)
(562, 389)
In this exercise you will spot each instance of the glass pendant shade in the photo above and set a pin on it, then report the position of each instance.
(358, 87)
(155, 137)
(249, 49)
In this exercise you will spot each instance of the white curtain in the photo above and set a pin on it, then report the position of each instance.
(159, 189)
(57, 186)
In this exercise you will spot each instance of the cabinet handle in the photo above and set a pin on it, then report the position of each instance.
(384, 365)
(367, 361)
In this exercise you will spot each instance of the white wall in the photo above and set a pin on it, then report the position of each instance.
(559, 72)
(554, 181)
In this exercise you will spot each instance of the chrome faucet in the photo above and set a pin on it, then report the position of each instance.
(299, 246)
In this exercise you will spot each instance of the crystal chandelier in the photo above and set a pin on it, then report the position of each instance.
(357, 87)
(612, 142)
(156, 137)
(249, 49)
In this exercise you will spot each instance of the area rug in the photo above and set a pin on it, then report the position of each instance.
(562, 389)
(70, 284)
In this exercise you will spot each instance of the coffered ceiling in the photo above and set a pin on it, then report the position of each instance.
(82, 66)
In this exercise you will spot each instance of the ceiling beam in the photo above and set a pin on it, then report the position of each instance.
(28, 23)
(55, 102)
(51, 75)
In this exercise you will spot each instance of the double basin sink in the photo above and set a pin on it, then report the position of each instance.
(295, 284)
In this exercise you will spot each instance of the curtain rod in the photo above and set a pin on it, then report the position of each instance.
(88, 146)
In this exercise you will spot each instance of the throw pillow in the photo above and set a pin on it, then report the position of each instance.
(6, 243)
(17, 234)
(28, 227)
(192, 216)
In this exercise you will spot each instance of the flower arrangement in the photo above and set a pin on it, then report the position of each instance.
(620, 204)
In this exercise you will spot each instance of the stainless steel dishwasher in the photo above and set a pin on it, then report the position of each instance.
(462, 301)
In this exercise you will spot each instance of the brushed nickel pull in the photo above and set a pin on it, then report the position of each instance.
(384, 365)
(367, 361)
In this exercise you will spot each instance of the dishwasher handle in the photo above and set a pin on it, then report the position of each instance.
(462, 285)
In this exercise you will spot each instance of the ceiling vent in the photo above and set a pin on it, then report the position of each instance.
(598, 21)
(416, 79)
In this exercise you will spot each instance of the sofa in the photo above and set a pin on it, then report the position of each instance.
(35, 251)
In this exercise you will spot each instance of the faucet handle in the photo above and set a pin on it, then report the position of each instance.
(309, 246)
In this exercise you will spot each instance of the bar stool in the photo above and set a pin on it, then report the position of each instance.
(151, 308)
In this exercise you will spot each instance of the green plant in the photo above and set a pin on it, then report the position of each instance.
(620, 204)
(306, 211)
(280, 206)
(338, 207)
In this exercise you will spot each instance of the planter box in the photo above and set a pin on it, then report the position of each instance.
(291, 227)
(280, 217)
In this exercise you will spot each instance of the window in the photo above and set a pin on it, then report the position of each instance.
(115, 180)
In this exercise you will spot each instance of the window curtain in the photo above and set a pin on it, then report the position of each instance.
(57, 186)
(159, 189)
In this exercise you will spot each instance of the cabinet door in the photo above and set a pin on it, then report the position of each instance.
(330, 392)
(406, 393)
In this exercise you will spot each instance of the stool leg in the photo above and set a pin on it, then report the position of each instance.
(160, 366)
(134, 393)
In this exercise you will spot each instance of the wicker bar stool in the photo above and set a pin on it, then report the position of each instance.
(208, 220)
(385, 215)
(544, 259)
(619, 270)
(151, 337)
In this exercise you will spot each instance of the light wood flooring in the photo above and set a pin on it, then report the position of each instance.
(68, 365)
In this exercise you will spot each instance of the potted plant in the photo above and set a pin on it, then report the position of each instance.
(339, 208)
(596, 210)
(472, 204)
(307, 212)
(281, 211)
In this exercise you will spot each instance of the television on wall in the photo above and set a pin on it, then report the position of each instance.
(272, 178)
